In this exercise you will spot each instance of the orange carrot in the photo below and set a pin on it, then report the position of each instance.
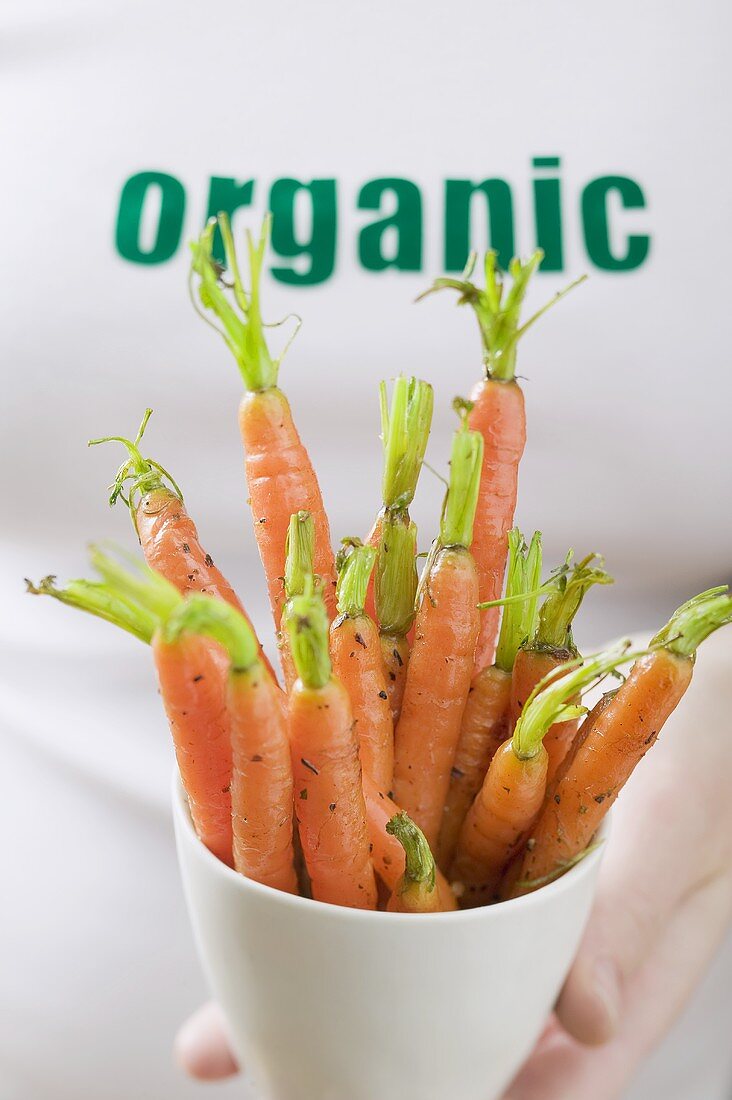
(280, 475)
(386, 851)
(416, 891)
(485, 719)
(329, 800)
(194, 697)
(261, 779)
(550, 645)
(618, 738)
(440, 667)
(356, 656)
(513, 791)
(498, 414)
(167, 534)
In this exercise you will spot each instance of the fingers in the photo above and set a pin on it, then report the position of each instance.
(563, 1069)
(202, 1048)
(653, 861)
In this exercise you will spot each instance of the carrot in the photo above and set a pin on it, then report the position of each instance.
(191, 685)
(618, 738)
(261, 777)
(386, 852)
(329, 799)
(485, 719)
(280, 475)
(440, 667)
(416, 890)
(299, 554)
(395, 590)
(550, 645)
(356, 656)
(498, 414)
(167, 534)
(513, 790)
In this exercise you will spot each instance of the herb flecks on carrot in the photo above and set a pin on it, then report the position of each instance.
(329, 800)
(280, 475)
(498, 413)
(440, 667)
(485, 719)
(261, 778)
(356, 654)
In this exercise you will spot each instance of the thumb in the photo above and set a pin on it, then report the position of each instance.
(202, 1048)
(652, 862)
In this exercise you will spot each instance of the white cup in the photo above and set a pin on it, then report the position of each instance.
(326, 1003)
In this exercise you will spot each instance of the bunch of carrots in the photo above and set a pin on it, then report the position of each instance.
(423, 749)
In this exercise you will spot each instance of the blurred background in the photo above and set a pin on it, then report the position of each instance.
(115, 121)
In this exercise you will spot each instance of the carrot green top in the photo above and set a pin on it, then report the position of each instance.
(549, 704)
(145, 474)
(556, 615)
(353, 580)
(405, 429)
(299, 552)
(307, 625)
(134, 598)
(498, 313)
(694, 621)
(237, 310)
(523, 574)
(205, 615)
(458, 513)
(395, 578)
(419, 863)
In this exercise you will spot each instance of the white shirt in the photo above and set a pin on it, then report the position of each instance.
(627, 383)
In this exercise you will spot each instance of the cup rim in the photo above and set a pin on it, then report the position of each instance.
(563, 884)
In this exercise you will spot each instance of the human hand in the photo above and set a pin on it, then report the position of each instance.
(664, 902)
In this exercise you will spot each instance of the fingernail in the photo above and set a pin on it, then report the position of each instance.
(606, 988)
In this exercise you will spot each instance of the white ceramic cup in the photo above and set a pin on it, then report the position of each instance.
(326, 1003)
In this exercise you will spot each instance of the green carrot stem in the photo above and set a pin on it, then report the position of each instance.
(395, 577)
(237, 310)
(204, 615)
(554, 626)
(145, 474)
(139, 584)
(549, 701)
(498, 314)
(405, 429)
(419, 863)
(307, 625)
(694, 621)
(458, 513)
(353, 580)
(299, 552)
(519, 616)
(101, 600)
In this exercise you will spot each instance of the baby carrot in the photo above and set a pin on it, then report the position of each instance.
(356, 656)
(619, 738)
(261, 777)
(416, 890)
(395, 590)
(440, 666)
(329, 800)
(167, 534)
(386, 852)
(280, 475)
(513, 791)
(485, 719)
(498, 414)
(551, 644)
